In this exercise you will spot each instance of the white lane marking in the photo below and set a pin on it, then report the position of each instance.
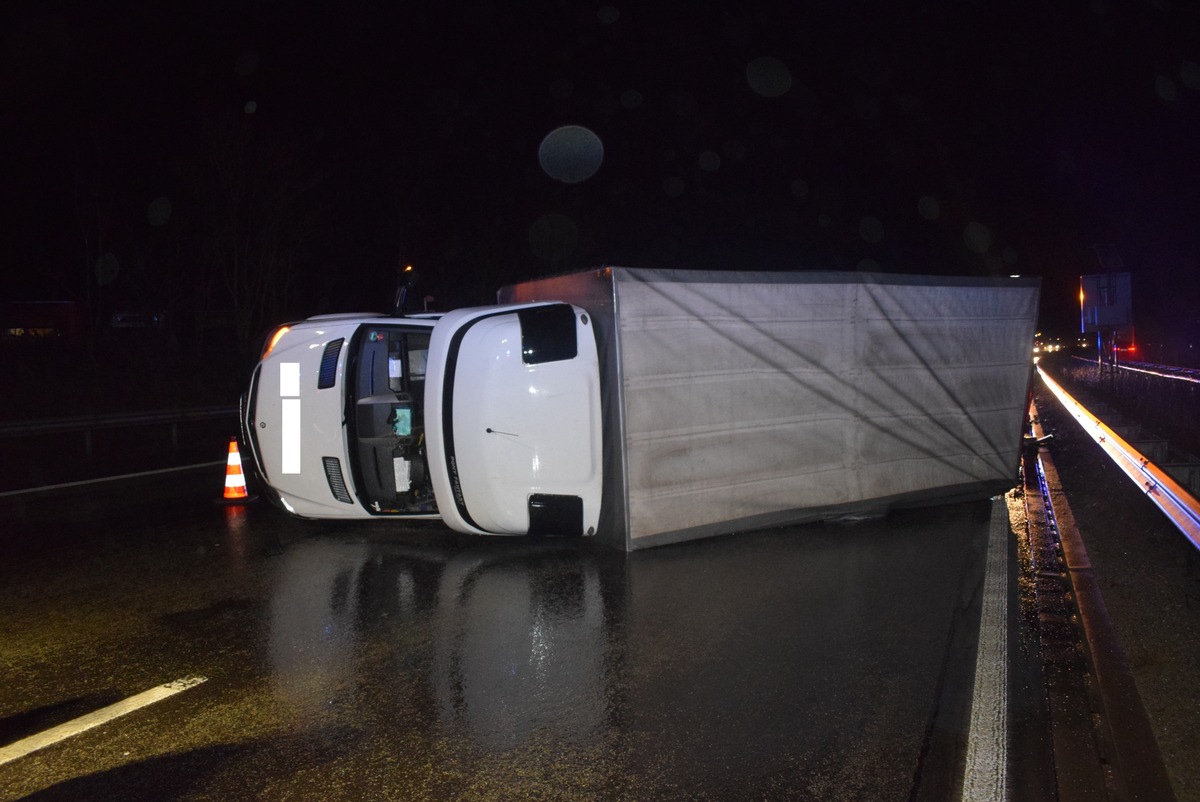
(99, 480)
(985, 776)
(102, 716)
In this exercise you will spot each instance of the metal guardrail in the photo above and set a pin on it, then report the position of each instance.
(1161, 371)
(1179, 505)
(86, 424)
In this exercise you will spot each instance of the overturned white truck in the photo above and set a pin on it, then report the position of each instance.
(653, 406)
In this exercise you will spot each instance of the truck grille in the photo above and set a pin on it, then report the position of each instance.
(327, 377)
(337, 483)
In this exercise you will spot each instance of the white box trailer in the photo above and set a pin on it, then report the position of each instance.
(739, 400)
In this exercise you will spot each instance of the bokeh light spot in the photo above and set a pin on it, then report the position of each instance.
(247, 63)
(806, 103)
(768, 76)
(1189, 73)
(977, 237)
(674, 186)
(553, 237)
(631, 98)
(608, 15)
(443, 101)
(870, 229)
(735, 149)
(869, 266)
(800, 188)
(571, 154)
(709, 161)
(824, 220)
(562, 89)
(664, 250)
(159, 211)
(928, 208)
(250, 107)
(683, 103)
(867, 108)
(1164, 87)
(871, 67)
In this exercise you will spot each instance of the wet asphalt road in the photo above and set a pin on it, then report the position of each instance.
(379, 662)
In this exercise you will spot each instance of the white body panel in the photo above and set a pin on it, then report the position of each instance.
(516, 432)
(295, 424)
(517, 429)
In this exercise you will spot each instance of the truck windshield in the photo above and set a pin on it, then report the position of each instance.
(385, 420)
(547, 334)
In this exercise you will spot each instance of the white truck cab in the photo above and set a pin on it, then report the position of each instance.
(488, 417)
(514, 420)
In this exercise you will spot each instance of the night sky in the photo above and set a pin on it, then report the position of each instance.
(283, 159)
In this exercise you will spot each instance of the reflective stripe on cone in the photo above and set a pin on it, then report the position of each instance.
(235, 480)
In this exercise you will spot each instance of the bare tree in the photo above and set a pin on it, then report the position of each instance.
(258, 209)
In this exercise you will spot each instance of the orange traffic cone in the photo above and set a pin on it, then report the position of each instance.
(235, 480)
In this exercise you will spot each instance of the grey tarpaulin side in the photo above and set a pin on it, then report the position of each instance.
(735, 400)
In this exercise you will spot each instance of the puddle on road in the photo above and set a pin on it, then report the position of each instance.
(804, 659)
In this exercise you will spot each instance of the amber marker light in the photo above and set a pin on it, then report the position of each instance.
(274, 339)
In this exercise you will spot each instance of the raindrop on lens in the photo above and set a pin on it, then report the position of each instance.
(1164, 87)
(571, 154)
(928, 208)
(870, 229)
(977, 237)
(553, 237)
(159, 211)
(768, 76)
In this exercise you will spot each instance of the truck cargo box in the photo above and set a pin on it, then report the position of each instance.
(738, 400)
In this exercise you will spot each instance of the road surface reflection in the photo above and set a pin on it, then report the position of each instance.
(800, 661)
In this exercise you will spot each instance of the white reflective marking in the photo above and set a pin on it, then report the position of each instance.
(83, 482)
(289, 420)
(985, 776)
(289, 379)
(102, 716)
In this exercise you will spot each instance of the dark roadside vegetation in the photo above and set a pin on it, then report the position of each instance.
(122, 373)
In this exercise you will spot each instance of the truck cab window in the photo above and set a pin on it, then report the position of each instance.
(386, 421)
(547, 334)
